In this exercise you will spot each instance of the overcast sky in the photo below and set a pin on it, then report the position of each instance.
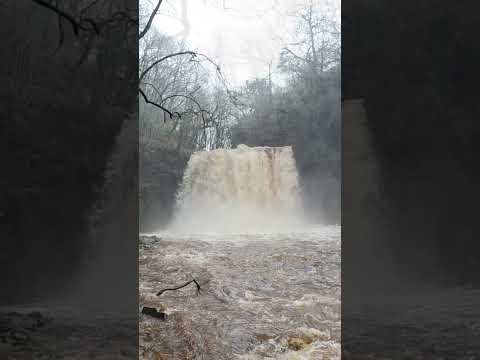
(242, 35)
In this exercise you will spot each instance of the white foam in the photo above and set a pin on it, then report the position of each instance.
(235, 190)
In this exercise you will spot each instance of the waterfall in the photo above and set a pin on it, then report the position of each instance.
(239, 190)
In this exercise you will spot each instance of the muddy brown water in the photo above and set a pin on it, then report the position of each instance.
(264, 295)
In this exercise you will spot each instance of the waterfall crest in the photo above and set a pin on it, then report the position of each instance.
(239, 190)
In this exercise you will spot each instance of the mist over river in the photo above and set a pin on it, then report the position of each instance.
(270, 283)
(237, 190)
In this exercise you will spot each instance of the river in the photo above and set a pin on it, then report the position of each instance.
(263, 295)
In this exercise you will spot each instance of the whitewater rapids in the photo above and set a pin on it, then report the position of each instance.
(270, 283)
(264, 295)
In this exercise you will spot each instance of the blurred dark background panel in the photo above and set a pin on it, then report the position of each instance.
(69, 151)
(410, 270)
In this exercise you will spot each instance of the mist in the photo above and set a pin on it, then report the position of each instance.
(239, 190)
(263, 86)
(240, 177)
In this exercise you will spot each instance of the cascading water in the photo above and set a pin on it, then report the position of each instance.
(243, 189)
(270, 283)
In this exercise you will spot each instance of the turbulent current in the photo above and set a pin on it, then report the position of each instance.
(263, 295)
(270, 283)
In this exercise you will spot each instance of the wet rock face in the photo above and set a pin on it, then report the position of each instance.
(263, 296)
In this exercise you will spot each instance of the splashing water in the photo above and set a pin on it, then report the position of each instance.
(270, 282)
(264, 295)
(242, 189)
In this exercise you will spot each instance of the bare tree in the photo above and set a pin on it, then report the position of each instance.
(196, 101)
(315, 47)
(182, 83)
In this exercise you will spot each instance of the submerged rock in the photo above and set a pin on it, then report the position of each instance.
(153, 312)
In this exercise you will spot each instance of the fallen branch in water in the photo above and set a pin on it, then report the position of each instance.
(181, 286)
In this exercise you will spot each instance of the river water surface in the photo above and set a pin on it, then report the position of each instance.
(263, 295)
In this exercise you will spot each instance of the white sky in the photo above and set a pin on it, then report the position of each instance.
(243, 37)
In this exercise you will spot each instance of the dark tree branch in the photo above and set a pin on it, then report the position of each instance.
(194, 55)
(154, 88)
(61, 34)
(183, 113)
(186, 97)
(155, 63)
(118, 16)
(85, 9)
(181, 286)
(75, 25)
(201, 111)
(94, 25)
(80, 23)
(157, 105)
(150, 20)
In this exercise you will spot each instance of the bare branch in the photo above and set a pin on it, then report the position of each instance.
(188, 98)
(181, 286)
(80, 23)
(155, 63)
(85, 9)
(154, 88)
(61, 34)
(75, 25)
(157, 105)
(150, 20)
